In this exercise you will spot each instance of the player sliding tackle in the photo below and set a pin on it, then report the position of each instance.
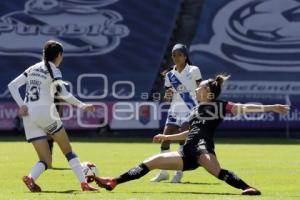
(198, 149)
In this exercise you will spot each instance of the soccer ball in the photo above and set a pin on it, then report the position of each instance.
(90, 171)
(272, 21)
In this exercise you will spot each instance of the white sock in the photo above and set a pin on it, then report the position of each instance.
(37, 170)
(77, 169)
(165, 151)
(180, 148)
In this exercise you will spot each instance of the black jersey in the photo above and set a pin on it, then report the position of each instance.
(204, 119)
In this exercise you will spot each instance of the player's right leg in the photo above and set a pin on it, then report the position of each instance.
(170, 128)
(38, 138)
(61, 138)
(165, 161)
(42, 149)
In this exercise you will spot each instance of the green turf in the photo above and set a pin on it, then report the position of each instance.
(273, 166)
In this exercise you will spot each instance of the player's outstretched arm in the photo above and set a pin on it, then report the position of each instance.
(254, 108)
(176, 137)
(69, 98)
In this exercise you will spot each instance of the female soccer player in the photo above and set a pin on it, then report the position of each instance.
(180, 84)
(198, 149)
(40, 116)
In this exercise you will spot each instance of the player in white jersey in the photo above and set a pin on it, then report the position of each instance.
(40, 116)
(180, 84)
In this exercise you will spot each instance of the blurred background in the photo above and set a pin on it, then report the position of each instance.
(117, 52)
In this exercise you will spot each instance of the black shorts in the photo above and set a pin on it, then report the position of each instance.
(190, 156)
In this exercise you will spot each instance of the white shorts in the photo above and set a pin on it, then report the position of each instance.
(39, 123)
(177, 119)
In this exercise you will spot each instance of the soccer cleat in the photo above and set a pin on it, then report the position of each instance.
(31, 185)
(161, 176)
(251, 191)
(177, 177)
(107, 183)
(86, 187)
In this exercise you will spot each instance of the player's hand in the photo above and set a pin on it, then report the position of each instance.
(169, 94)
(159, 138)
(89, 108)
(282, 109)
(23, 111)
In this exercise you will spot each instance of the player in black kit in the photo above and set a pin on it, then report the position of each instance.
(198, 149)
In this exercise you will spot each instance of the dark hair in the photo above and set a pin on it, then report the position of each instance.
(51, 50)
(215, 85)
(183, 49)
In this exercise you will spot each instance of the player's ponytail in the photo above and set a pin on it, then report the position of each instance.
(51, 50)
(221, 78)
(215, 85)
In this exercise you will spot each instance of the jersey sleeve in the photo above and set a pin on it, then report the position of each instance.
(228, 106)
(68, 97)
(197, 74)
(14, 86)
(167, 81)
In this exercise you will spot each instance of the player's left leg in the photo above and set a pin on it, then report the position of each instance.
(166, 161)
(62, 139)
(211, 164)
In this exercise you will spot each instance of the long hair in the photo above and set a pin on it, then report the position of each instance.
(215, 85)
(51, 50)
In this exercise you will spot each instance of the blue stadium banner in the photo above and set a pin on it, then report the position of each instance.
(258, 43)
(113, 49)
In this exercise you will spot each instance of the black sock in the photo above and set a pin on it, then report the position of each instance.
(232, 179)
(50, 143)
(134, 173)
(164, 148)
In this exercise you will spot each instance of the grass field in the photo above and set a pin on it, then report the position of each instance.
(273, 166)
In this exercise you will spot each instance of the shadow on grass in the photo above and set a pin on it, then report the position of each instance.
(204, 193)
(62, 192)
(69, 192)
(197, 193)
(194, 183)
(148, 140)
(60, 168)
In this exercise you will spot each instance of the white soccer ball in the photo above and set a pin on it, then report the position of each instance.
(274, 20)
(90, 171)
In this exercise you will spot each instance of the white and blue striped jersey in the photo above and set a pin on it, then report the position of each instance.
(184, 93)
